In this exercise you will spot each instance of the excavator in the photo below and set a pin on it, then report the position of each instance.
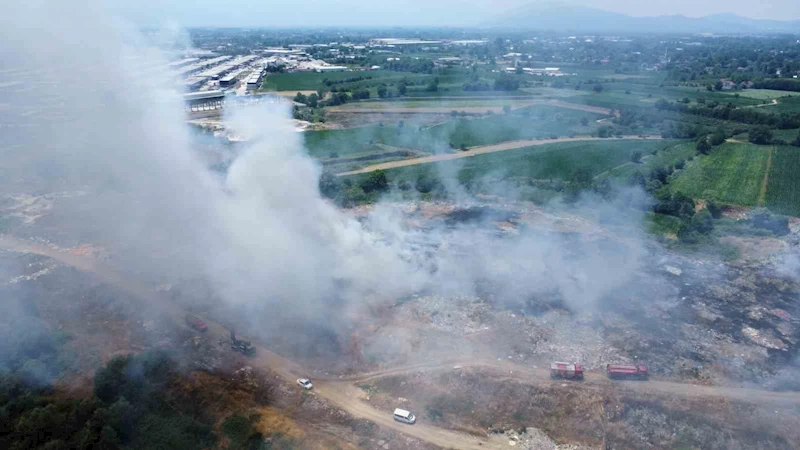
(242, 346)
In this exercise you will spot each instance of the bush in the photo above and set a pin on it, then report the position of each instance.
(702, 222)
(714, 209)
(375, 181)
(703, 146)
(760, 135)
(636, 157)
(778, 225)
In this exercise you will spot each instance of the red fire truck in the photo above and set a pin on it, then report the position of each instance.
(625, 371)
(566, 370)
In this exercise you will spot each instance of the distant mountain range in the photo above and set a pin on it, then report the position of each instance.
(571, 18)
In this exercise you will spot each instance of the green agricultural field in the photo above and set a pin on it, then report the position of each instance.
(783, 188)
(789, 104)
(786, 135)
(549, 92)
(766, 94)
(541, 121)
(669, 153)
(733, 173)
(555, 161)
(309, 81)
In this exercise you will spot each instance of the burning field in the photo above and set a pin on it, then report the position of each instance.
(124, 233)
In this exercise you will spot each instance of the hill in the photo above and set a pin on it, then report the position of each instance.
(569, 18)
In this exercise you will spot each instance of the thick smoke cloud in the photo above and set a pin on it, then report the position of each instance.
(102, 116)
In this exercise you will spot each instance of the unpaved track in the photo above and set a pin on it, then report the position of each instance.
(386, 108)
(509, 145)
(342, 392)
(509, 370)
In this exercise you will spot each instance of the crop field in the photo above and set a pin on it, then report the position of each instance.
(786, 135)
(541, 121)
(790, 104)
(457, 90)
(733, 173)
(552, 161)
(783, 190)
(766, 94)
(454, 103)
(550, 92)
(304, 81)
(669, 153)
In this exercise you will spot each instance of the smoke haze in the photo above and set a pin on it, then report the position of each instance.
(102, 117)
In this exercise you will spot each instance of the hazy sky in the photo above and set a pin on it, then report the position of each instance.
(415, 12)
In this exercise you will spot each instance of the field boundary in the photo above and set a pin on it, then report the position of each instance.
(480, 150)
(361, 109)
(762, 195)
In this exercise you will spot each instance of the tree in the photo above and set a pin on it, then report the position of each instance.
(506, 83)
(401, 87)
(636, 179)
(376, 181)
(312, 100)
(703, 146)
(329, 185)
(584, 121)
(636, 157)
(717, 138)
(718, 86)
(796, 141)
(597, 88)
(382, 91)
(582, 177)
(714, 209)
(760, 135)
(433, 86)
(300, 98)
(702, 222)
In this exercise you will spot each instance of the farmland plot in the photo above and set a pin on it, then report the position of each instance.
(732, 173)
(783, 190)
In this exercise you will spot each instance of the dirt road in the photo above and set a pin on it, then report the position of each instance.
(509, 145)
(388, 108)
(509, 370)
(342, 393)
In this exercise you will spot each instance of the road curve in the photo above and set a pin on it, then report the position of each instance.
(472, 151)
(341, 392)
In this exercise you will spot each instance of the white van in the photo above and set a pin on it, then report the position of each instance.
(401, 415)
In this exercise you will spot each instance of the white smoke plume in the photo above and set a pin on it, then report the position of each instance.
(87, 97)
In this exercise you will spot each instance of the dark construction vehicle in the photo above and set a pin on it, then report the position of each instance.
(566, 370)
(242, 346)
(627, 372)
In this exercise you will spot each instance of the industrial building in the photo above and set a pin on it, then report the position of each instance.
(182, 62)
(204, 101)
(254, 80)
(231, 78)
(328, 68)
(217, 71)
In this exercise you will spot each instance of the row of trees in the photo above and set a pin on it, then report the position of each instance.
(128, 409)
(729, 112)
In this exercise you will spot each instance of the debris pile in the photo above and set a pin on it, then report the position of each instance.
(460, 315)
(528, 439)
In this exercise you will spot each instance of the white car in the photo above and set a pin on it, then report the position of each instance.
(304, 383)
